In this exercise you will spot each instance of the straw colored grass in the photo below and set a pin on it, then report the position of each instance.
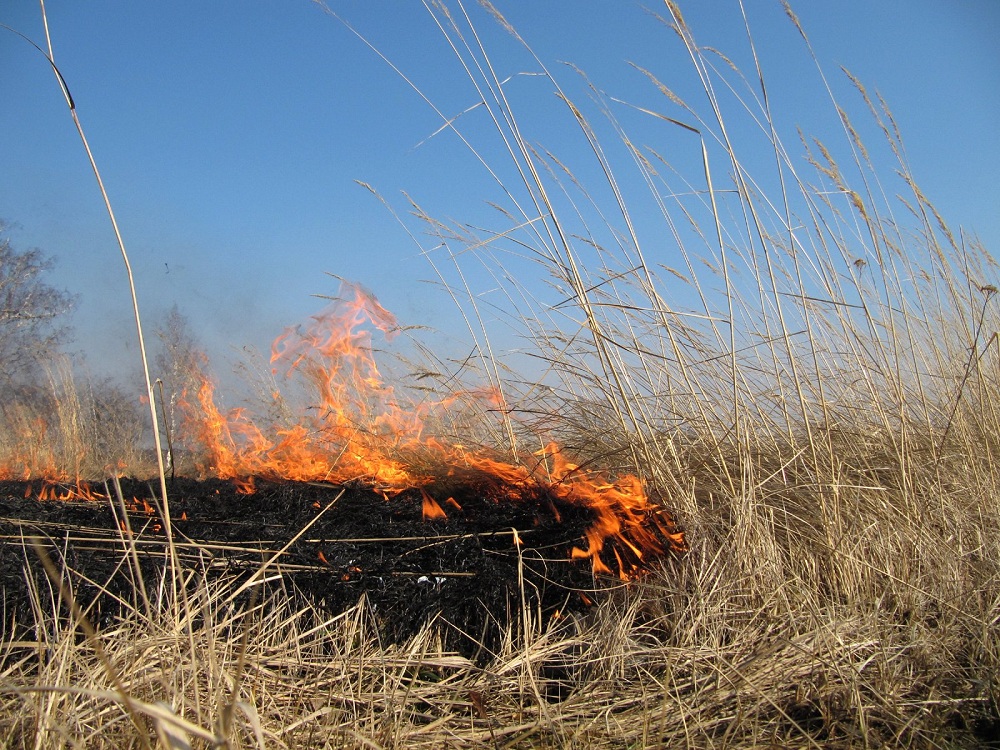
(808, 378)
(763, 635)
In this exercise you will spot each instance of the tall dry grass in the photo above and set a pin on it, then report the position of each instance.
(66, 427)
(819, 411)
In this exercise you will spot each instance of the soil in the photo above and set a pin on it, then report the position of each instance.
(467, 568)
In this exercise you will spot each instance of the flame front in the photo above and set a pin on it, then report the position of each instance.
(358, 431)
(353, 431)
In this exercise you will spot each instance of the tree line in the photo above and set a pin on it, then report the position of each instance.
(55, 420)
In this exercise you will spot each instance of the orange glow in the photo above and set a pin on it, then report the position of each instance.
(32, 456)
(355, 430)
(51, 490)
(358, 429)
(431, 509)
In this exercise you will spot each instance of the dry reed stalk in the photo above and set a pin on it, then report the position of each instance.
(825, 425)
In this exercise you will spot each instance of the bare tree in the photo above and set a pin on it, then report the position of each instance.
(181, 364)
(117, 427)
(31, 311)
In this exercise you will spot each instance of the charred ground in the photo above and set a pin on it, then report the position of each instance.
(467, 568)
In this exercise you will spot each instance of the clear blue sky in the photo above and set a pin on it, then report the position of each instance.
(230, 135)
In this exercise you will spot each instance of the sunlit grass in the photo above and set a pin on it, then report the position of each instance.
(809, 384)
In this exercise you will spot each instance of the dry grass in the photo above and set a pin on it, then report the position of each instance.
(762, 636)
(820, 413)
(69, 428)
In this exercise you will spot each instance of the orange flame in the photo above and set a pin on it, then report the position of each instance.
(354, 430)
(359, 430)
(32, 456)
(52, 490)
(431, 509)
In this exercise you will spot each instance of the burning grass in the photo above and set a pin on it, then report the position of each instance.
(823, 424)
(762, 633)
(496, 554)
(359, 430)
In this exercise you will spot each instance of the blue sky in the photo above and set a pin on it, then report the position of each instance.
(230, 136)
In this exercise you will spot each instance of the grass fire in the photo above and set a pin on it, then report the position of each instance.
(357, 430)
(690, 441)
(388, 507)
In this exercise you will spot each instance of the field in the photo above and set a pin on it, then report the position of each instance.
(820, 418)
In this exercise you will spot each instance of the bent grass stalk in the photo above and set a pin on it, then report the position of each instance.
(826, 428)
(150, 395)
